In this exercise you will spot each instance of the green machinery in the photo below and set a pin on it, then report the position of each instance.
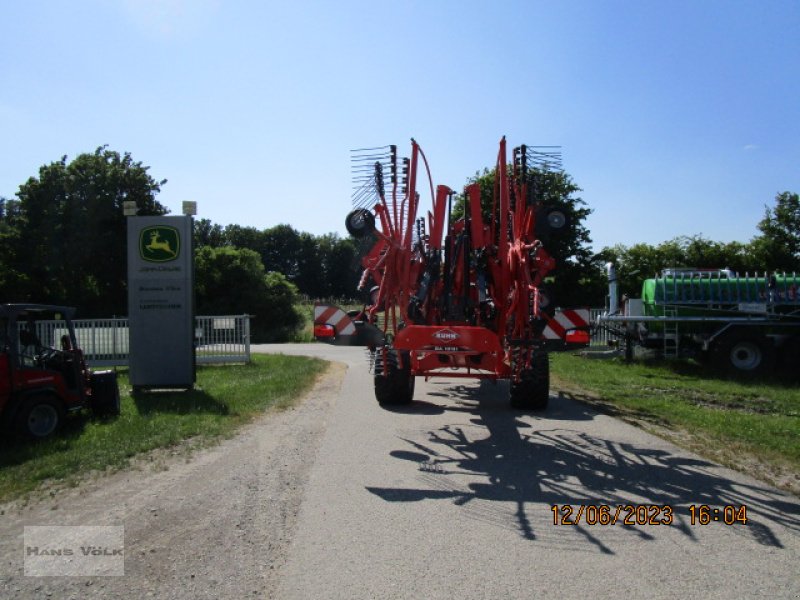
(743, 324)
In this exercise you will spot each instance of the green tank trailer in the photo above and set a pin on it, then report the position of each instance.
(738, 324)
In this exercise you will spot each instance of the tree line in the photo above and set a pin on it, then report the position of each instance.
(775, 248)
(63, 241)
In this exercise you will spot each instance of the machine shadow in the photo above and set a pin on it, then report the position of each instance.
(507, 466)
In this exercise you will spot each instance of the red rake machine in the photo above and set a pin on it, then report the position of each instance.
(451, 297)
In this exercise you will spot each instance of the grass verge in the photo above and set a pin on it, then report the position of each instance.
(225, 398)
(749, 426)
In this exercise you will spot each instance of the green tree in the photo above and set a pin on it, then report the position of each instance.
(69, 236)
(320, 266)
(244, 237)
(12, 281)
(642, 261)
(207, 233)
(341, 266)
(778, 246)
(309, 277)
(232, 280)
(280, 250)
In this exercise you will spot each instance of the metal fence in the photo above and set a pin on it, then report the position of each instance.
(218, 339)
(222, 339)
(601, 336)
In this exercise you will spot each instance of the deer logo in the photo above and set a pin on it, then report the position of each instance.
(159, 243)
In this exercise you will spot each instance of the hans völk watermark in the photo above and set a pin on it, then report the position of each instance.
(74, 550)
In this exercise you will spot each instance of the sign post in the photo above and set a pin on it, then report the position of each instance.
(161, 302)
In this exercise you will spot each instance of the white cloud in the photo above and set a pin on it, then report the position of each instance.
(750, 147)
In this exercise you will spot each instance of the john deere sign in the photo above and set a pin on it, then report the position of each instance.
(159, 243)
(160, 307)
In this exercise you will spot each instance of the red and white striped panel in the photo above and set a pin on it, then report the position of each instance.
(334, 316)
(563, 320)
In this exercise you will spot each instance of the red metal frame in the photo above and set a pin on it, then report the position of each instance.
(466, 295)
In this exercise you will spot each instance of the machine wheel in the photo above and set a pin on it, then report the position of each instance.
(744, 352)
(532, 391)
(39, 417)
(392, 384)
(360, 222)
(105, 394)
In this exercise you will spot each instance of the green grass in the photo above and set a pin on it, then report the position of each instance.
(225, 398)
(727, 420)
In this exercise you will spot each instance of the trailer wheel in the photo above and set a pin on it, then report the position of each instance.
(789, 357)
(744, 352)
(105, 394)
(39, 417)
(392, 384)
(532, 391)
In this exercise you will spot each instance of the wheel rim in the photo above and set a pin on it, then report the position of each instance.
(42, 420)
(746, 356)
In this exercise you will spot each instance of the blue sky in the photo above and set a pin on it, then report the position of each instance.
(675, 117)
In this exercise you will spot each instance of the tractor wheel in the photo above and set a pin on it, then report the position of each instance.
(745, 352)
(39, 417)
(105, 394)
(360, 222)
(532, 391)
(392, 384)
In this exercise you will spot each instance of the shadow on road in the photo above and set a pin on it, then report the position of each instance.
(502, 468)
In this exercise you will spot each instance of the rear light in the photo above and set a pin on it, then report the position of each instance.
(324, 331)
(577, 336)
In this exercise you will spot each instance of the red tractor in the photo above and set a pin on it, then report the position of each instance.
(453, 297)
(43, 374)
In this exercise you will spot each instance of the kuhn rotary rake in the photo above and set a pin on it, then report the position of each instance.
(455, 297)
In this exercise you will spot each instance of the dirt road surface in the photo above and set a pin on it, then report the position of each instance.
(449, 498)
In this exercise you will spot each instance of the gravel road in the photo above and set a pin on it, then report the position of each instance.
(449, 498)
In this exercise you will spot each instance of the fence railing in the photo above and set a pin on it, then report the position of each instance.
(218, 339)
(601, 336)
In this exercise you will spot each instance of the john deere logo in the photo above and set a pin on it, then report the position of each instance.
(159, 243)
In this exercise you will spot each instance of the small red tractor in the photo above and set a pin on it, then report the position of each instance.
(454, 297)
(41, 381)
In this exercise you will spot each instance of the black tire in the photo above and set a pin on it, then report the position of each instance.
(551, 220)
(360, 222)
(532, 391)
(789, 356)
(39, 417)
(105, 394)
(393, 386)
(744, 352)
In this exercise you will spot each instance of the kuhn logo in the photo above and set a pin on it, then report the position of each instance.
(446, 335)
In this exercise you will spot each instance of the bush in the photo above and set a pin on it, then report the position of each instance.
(232, 281)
